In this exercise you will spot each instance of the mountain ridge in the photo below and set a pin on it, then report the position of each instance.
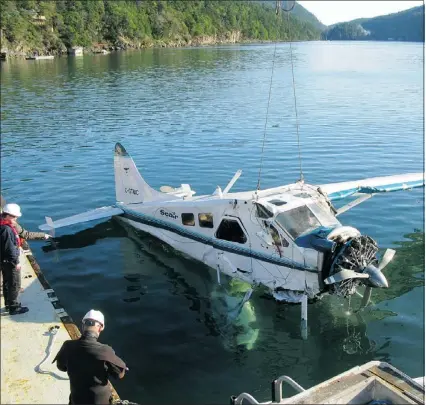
(406, 25)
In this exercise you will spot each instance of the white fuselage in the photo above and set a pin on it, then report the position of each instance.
(225, 232)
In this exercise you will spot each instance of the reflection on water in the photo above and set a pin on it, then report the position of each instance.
(142, 259)
(86, 237)
(219, 307)
(337, 330)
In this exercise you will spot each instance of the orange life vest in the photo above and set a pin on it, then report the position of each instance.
(9, 223)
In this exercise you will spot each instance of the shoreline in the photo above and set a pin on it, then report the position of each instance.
(158, 44)
(15, 54)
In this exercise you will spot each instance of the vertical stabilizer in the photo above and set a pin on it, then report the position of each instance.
(130, 187)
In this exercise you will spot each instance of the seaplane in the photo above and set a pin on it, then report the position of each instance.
(287, 239)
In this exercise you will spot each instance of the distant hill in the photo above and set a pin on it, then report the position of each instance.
(406, 25)
(300, 12)
(307, 16)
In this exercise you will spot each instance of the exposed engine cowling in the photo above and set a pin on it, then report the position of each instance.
(353, 263)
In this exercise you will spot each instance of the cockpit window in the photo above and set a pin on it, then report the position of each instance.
(262, 212)
(298, 220)
(324, 215)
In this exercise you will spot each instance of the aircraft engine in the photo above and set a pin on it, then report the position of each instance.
(355, 262)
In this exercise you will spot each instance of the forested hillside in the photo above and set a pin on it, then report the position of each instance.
(53, 26)
(406, 25)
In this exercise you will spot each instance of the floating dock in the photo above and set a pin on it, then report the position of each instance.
(29, 342)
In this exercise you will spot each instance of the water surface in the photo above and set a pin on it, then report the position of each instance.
(196, 116)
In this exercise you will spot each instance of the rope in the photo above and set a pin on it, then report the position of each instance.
(52, 337)
(295, 100)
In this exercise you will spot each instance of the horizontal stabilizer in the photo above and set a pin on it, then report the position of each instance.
(98, 213)
(183, 191)
(338, 191)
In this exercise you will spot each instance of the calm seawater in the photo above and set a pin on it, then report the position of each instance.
(196, 116)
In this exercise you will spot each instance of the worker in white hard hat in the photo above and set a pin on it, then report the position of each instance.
(10, 266)
(90, 363)
(23, 233)
(11, 213)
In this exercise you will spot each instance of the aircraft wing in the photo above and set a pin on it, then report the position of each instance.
(98, 213)
(338, 191)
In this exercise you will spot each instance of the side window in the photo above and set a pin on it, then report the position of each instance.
(230, 229)
(188, 219)
(278, 241)
(205, 220)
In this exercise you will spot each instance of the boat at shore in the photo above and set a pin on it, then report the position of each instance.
(40, 57)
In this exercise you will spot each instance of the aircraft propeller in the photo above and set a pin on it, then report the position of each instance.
(376, 277)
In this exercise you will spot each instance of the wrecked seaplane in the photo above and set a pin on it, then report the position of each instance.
(287, 239)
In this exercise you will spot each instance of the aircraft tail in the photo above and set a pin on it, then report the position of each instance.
(130, 187)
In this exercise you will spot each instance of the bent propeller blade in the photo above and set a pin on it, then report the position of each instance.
(366, 297)
(344, 275)
(386, 259)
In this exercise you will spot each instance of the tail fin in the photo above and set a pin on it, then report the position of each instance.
(130, 187)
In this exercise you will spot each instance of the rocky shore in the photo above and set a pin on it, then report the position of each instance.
(232, 37)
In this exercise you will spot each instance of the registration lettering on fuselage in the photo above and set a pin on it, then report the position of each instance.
(131, 191)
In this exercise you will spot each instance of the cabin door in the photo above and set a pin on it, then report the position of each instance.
(233, 251)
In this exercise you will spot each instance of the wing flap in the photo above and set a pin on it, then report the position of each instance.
(338, 191)
(98, 213)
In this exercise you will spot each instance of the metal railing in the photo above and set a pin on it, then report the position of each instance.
(277, 393)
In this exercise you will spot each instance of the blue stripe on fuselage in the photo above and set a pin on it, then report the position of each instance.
(216, 243)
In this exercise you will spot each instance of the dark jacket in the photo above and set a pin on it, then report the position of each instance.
(9, 245)
(89, 364)
(24, 234)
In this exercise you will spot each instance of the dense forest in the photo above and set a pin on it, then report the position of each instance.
(54, 26)
(406, 25)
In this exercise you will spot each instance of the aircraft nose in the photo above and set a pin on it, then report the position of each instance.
(377, 278)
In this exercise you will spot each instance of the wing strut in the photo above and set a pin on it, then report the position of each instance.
(353, 204)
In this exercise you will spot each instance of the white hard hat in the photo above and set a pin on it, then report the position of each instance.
(97, 316)
(12, 209)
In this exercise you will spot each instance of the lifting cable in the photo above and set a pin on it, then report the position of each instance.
(288, 6)
(294, 92)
